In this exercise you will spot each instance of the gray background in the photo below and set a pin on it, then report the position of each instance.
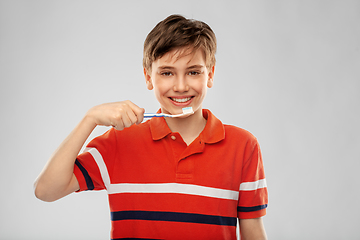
(288, 71)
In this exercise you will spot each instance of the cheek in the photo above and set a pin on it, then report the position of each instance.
(161, 87)
(200, 86)
(157, 92)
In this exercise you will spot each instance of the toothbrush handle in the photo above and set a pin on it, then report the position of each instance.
(150, 115)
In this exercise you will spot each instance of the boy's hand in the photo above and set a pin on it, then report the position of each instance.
(119, 115)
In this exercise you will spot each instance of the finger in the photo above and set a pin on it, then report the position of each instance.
(132, 116)
(140, 115)
(119, 118)
(125, 118)
(139, 112)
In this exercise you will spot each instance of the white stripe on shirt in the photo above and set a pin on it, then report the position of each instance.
(174, 188)
(250, 186)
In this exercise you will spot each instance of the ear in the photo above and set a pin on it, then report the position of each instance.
(148, 80)
(210, 82)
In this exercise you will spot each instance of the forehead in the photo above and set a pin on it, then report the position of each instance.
(182, 56)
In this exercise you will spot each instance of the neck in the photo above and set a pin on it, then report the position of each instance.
(189, 127)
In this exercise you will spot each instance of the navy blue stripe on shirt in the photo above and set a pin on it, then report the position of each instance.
(251, 209)
(89, 182)
(173, 217)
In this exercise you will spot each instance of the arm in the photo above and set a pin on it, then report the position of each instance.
(252, 229)
(57, 179)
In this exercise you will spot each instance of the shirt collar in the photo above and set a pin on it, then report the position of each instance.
(213, 132)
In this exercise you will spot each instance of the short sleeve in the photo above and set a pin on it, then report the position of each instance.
(253, 195)
(92, 166)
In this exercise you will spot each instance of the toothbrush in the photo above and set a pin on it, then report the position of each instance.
(186, 111)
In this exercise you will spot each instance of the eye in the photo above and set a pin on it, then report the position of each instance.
(194, 73)
(166, 74)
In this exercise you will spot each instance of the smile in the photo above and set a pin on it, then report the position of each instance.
(181, 100)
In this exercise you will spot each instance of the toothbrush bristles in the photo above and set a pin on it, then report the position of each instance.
(188, 110)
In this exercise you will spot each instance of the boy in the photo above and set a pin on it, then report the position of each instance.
(167, 178)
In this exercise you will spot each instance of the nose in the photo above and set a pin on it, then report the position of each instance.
(180, 84)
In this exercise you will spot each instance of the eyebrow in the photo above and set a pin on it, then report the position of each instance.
(196, 66)
(190, 67)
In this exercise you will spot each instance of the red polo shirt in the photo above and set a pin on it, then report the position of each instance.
(160, 188)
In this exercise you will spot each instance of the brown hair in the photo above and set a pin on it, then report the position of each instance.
(176, 32)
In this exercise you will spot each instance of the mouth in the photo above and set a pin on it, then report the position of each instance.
(181, 100)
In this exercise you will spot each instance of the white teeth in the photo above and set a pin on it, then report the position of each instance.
(181, 100)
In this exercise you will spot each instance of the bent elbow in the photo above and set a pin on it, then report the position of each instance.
(41, 193)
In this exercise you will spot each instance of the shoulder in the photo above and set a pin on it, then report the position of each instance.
(234, 131)
(241, 138)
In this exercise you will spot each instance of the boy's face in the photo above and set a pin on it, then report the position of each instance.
(180, 79)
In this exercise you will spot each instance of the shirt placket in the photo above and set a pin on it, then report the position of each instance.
(185, 165)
